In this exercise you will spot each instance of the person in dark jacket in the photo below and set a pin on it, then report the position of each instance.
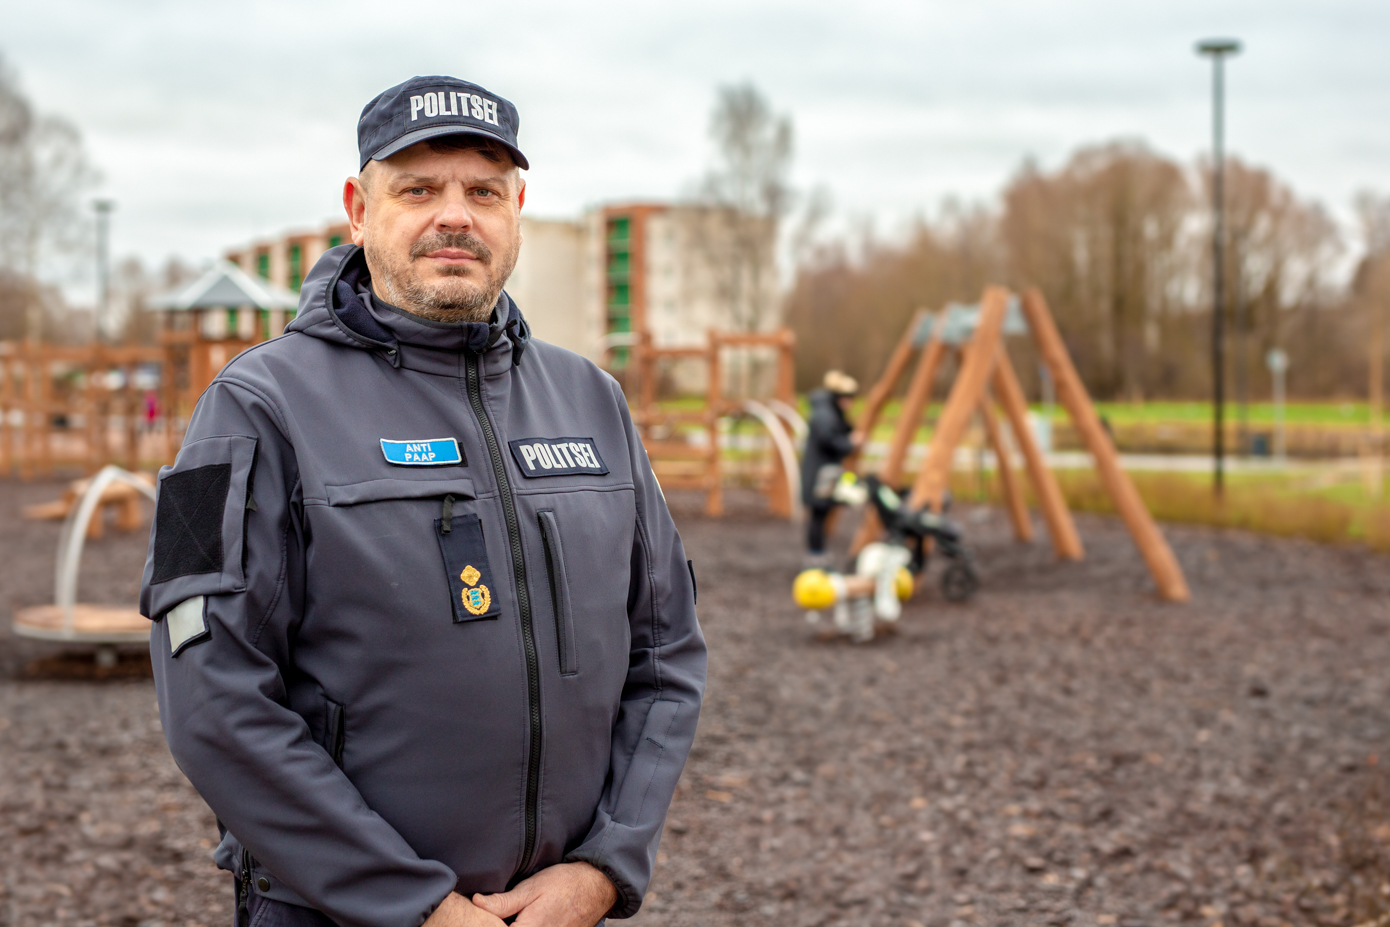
(424, 631)
(828, 442)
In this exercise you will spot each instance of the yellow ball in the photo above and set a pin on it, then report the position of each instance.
(813, 590)
(904, 584)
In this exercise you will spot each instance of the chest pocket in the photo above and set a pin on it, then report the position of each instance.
(377, 530)
(387, 490)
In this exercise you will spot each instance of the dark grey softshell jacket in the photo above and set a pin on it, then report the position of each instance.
(372, 727)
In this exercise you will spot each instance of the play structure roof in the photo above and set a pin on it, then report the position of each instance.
(956, 323)
(226, 285)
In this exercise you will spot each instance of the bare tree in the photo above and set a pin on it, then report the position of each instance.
(848, 313)
(1116, 240)
(17, 294)
(1374, 212)
(745, 196)
(1280, 249)
(1103, 237)
(1370, 288)
(44, 173)
(133, 288)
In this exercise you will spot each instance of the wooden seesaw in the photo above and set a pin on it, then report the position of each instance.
(119, 497)
(67, 621)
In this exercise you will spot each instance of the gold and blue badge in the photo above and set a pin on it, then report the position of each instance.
(476, 596)
(465, 559)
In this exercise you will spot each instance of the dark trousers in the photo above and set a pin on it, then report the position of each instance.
(267, 913)
(817, 514)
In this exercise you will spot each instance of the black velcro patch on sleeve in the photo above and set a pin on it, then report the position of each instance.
(188, 522)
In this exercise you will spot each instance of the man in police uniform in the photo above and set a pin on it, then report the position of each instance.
(425, 634)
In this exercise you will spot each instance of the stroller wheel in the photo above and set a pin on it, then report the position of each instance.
(960, 581)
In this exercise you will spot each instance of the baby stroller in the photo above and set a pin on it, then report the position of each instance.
(914, 528)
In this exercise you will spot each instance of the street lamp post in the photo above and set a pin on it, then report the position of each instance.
(1218, 49)
(1242, 352)
(103, 210)
(1278, 363)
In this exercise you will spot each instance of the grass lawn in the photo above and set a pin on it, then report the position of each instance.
(1326, 504)
(1123, 413)
(1262, 413)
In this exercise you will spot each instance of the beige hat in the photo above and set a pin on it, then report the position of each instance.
(841, 383)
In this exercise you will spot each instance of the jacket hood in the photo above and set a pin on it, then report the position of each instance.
(331, 309)
(826, 403)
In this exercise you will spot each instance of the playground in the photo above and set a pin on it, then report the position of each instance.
(1065, 748)
(1125, 722)
(1035, 490)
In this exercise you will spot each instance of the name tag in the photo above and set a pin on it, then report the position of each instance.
(426, 452)
(557, 457)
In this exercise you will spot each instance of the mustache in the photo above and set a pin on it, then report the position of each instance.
(461, 240)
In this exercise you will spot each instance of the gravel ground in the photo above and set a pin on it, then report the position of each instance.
(1063, 750)
(97, 824)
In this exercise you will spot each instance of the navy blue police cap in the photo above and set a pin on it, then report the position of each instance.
(431, 107)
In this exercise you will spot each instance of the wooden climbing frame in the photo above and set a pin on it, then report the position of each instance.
(666, 431)
(80, 407)
(83, 407)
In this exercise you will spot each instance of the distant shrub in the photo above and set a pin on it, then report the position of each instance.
(1377, 527)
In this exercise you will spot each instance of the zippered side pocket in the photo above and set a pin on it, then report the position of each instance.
(335, 732)
(559, 592)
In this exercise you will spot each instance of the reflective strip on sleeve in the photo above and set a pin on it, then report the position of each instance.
(186, 623)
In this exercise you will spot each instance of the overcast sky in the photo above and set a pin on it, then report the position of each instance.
(217, 123)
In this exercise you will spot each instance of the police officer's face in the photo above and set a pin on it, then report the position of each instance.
(441, 229)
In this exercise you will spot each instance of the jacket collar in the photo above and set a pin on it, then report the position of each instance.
(331, 308)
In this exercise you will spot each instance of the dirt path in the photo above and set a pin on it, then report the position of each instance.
(1065, 749)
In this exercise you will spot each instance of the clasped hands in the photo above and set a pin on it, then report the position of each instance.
(566, 895)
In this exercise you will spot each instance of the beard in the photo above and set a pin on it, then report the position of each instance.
(460, 296)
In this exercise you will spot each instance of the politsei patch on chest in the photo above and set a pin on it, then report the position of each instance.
(537, 457)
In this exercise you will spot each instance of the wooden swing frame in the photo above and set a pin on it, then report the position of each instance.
(985, 378)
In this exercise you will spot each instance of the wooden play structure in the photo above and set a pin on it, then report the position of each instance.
(82, 407)
(986, 378)
(746, 376)
(89, 406)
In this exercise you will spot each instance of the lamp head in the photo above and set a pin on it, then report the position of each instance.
(1218, 47)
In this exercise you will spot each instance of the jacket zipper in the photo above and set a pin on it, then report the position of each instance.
(523, 601)
(243, 899)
